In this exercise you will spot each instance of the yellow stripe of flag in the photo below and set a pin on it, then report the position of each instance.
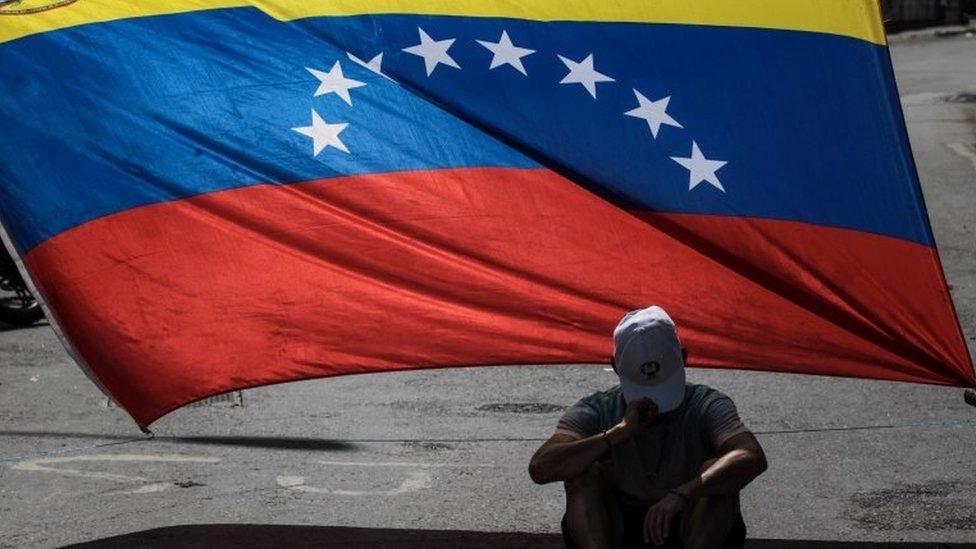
(854, 18)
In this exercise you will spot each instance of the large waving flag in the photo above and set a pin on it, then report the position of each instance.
(216, 194)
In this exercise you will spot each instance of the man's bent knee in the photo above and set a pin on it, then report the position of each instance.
(590, 481)
(711, 520)
(592, 516)
(722, 504)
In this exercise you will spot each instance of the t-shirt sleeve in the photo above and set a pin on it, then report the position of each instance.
(580, 420)
(722, 421)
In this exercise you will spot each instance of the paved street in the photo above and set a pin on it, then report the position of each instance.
(395, 460)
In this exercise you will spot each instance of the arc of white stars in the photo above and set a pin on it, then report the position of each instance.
(323, 134)
(433, 51)
(655, 113)
(701, 169)
(335, 82)
(506, 53)
(583, 73)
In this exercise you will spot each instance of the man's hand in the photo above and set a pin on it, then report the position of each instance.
(639, 414)
(657, 522)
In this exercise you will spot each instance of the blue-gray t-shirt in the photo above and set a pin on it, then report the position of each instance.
(669, 452)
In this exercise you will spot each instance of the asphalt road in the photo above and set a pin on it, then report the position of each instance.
(438, 458)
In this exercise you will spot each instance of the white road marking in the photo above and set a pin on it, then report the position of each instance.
(144, 489)
(44, 465)
(965, 151)
(401, 464)
(418, 479)
(290, 482)
(54, 494)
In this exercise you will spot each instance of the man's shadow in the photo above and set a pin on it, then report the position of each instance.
(246, 536)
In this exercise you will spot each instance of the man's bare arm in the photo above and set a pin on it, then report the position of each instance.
(741, 460)
(564, 457)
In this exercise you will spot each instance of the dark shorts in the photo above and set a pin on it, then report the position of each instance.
(634, 531)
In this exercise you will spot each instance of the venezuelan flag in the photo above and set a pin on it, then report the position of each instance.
(217, 194)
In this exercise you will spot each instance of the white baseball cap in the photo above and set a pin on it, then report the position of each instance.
(647, 356)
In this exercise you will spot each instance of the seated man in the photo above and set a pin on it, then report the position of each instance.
(653, 461)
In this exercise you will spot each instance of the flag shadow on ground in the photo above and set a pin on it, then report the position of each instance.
(246, 536)
(4, 327)
(262, 442)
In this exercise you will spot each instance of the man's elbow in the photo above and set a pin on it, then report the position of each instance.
(760, 462)
(537, 477)
(538, 472)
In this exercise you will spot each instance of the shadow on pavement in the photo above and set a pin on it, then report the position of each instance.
(272, 443)
(245, 536)
(4, 327)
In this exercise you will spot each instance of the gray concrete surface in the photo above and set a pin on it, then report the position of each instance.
(430, 459)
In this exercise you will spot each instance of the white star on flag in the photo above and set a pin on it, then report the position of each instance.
(654, 112)
(506, 53)
(583, 73)
(433, 51)
(335, 82)
(701, 168)
(323, 134)
(374, 64)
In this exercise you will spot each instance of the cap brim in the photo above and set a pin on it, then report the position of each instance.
(667, 395)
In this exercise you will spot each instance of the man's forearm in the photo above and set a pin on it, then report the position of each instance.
(568, 460)
(728, 474)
